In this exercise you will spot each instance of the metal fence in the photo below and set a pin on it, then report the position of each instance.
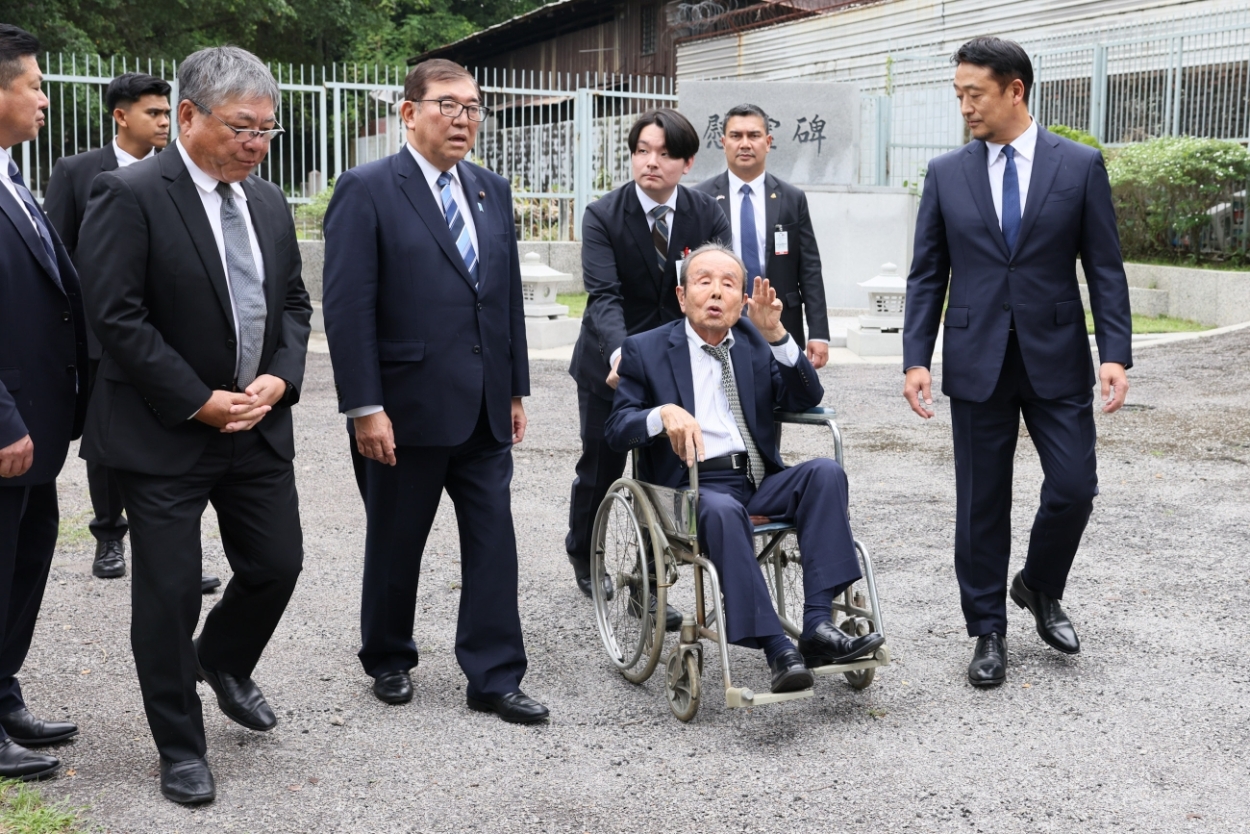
(558, 138)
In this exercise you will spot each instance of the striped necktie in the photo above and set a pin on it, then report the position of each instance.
(659, 234)
(755, 463)
(28, 199)
(459, 231)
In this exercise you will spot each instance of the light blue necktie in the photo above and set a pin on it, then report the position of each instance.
(1011, 200)
(459, 231)
(750, 244)
(19, 185)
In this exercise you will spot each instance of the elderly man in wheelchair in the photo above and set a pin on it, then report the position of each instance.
(711, 383)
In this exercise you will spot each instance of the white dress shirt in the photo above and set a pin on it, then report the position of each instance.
(735, 210)
(1025, 145)
(125, 159)
(711, 406)
(12, 189)
(206, 187)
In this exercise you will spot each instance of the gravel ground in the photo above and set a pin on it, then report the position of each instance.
(1144, 731)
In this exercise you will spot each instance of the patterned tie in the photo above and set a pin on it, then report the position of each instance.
(750, 241)
(32, 207)
(755, 463)
(659, 234)
(1011, 199)
(246, 287)
(459, 231)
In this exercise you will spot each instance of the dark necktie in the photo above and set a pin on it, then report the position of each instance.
(247, 290)
(659, 234)
(28, 199)
(1011, 199)
(755, 464)
(459, 231)
(750, 244)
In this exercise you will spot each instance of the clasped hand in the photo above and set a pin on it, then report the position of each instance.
(231, 411)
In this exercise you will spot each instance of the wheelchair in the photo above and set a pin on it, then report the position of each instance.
(644, 532)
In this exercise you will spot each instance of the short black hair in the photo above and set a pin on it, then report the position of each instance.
(132, 86)
(681, 140)
(15, 44)
(1005, 59)
(745, 110)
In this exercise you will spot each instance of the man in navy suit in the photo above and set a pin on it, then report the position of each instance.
(633, 240)
(1001, 225)
(43, 389)
(426, 326)
(711, 381)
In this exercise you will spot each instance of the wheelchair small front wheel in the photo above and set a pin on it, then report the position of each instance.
(682, 685)
(858, 678)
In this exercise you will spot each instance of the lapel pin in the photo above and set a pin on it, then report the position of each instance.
(479, 208)
(720, 196)
(481, 195)
(774, 196)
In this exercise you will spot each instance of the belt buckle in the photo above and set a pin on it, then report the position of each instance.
(736, 462)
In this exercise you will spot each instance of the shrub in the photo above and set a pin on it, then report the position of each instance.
(1177, 197)
(311, 215)
(1075, 135)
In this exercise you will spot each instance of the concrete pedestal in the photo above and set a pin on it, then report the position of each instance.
(872, 342)
(552, 332)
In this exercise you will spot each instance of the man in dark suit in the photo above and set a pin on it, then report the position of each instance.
(772, 230)
(43, 384)
(139, 104)
(193, 288)
(426, 326)
(711, 381)
(633, 240)
(1001, 224)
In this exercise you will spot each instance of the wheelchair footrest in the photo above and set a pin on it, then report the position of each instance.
(881, 657)
(740, 696)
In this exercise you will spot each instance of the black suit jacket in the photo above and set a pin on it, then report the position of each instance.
(796, 276)
(628, 294)
(65, 201)
(158, 300)
(407, 329)
(1068, 214)
(655, 370)
(43, 345)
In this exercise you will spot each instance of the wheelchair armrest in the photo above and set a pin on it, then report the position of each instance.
(818, 416)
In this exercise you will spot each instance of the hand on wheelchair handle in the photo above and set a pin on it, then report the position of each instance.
(683, 433)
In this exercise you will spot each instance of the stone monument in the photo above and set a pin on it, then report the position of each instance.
(547, 323)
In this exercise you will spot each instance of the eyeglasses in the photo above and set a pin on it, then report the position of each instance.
(242, 134)
(452, 109)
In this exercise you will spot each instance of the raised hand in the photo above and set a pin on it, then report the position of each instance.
(764, 310)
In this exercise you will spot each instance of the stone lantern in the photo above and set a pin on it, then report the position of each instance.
(547, 323)
(879, 332)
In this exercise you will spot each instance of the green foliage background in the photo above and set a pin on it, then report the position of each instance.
(296, 31)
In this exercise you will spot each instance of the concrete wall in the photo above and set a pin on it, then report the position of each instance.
(1213, 297)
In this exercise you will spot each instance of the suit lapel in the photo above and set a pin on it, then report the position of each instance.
(26, 229)
(481, 219)
(186, 198)
(679, 360)
(417, 190)
(108, 159)
(772, 212)
(1046, 159)
(979, 182)
(721, 186)
(683, 231)
(265, 236)
(636, 220)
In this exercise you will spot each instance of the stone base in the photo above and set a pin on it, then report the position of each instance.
(874, 342)
(549, 333)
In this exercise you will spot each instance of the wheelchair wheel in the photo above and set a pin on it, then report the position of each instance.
(783, 574)
(682, 683)
(626, 553)
(858, 627)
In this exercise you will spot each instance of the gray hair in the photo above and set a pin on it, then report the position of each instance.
(713, 246)
(214, 76)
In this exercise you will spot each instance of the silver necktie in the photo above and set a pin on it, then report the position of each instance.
(246, 287)
(755, 463)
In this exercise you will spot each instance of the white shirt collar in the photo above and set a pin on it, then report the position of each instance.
(206, 182)
(429, 170)
(736, 183)
(697, 342)
(124, 157)
(4, 164)
(648, 203)
(1025, 144)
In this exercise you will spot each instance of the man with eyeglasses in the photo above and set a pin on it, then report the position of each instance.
(196, 297)
(426, 326)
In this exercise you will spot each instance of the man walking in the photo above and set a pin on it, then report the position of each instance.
(194, 290)
(772, 229)
(1001, 225)
(139, 104)
(426, 326)
(43, 388)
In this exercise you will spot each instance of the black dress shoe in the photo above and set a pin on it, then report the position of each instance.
(581, 572)
(29, 731)
(790, 674)
(208, 583)
(1053, 626)
(239, 698)
(515, 707)
(393, 687)
(16, 762)
(110, 560)
(989, 661)
(828, 645)
(189, 782)
(672, 617)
